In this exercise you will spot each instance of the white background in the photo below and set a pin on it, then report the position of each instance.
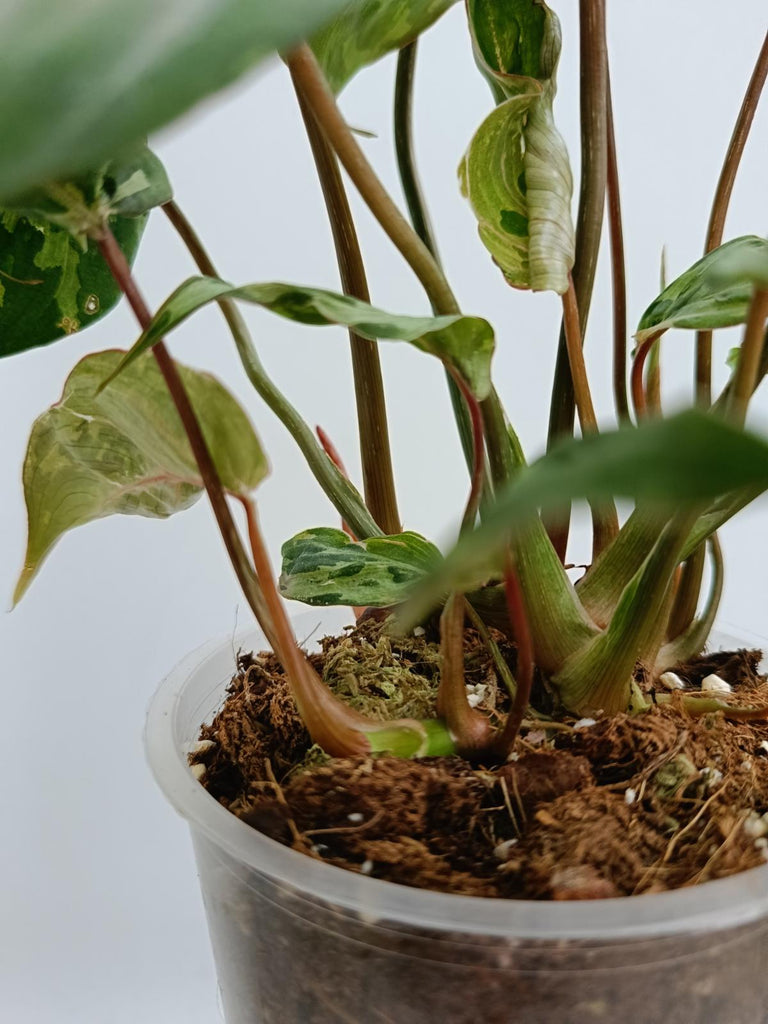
(101, 918)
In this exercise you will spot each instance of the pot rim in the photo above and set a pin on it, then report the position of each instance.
(719, 904)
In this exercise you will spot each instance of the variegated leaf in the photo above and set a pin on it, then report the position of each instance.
(125, 451)
(325, 567)
(715, 292)
(129, 186)
(50, 286)
(368, 30)
(464, 342)
(515, 172)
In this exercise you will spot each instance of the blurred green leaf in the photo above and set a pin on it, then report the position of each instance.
(515, 172)
(49, 285)
(125, 451)
(326, 567)
(715, 292)
(464, 342)
(367, 31)
(741, 264)
(687, 458)
(81, 79)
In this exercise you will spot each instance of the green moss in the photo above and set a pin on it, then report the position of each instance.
(383, 676)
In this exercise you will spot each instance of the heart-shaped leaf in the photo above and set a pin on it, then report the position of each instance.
(515, 172)
(463, 342)
(50, 286)
(124, 450)
(715, 292)
(687, 458)
(365, 32)
(81, 79)
(326, 567)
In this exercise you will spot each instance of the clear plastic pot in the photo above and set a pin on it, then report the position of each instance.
(297, 941)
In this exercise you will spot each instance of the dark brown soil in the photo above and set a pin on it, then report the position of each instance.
(582, 810)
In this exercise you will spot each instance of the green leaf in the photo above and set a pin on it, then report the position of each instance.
(715, 292)
(365, 32)
(732, 359)
(464, 342)
(684, 459)
(81, 79)
(49, 285)
(326, 567)
(129, 186)
(124, 450)
(742, 264)
(515, 172)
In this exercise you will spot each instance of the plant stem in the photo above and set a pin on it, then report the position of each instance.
(594, 176)
(332, 724)
(750, 357)
(711, 705)
(589, 224)
(720, 204)
(417, 206)
(687, 594)
(332, 452)
(478, 452)
(120, 270)
(338, 489)
(604, 516)
(638, 365)
(505, 454)
(689, 641)
(404, 148)
(470, 727)
(524, 667)
(599, 677)
(309, 79)
(601, 588)
(618, 269)
(653, 380)
(375, 453)
(578, 369)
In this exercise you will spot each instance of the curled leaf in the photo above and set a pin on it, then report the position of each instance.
(326, 567)
(125, 451)
(516, 173)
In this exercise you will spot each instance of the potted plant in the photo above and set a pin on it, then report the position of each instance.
(523, 770)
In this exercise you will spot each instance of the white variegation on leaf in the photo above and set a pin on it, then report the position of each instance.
(52, 285)
(326, 567)
(368, 30)
(715, 292)
(124, 450)
(127, 186)
(465, 343)
(515, 173)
